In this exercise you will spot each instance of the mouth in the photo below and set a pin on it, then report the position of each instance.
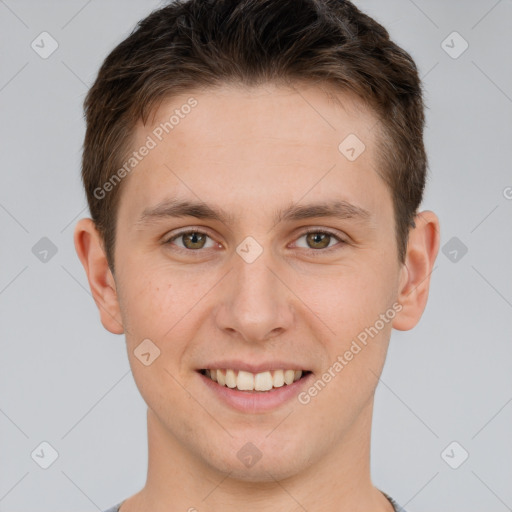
(254, 382)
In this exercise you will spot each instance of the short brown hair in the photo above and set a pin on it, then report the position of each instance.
(195, 44)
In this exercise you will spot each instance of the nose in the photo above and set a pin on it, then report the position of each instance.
(255, 305)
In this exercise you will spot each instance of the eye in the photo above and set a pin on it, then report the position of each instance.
(191, 240)
(194, 240)
(320, 239)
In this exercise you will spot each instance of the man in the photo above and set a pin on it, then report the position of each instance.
(254, 171)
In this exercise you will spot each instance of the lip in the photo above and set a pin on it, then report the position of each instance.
(238, 364)
(256, 401)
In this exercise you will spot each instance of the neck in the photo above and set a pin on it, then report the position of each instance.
(338, 481)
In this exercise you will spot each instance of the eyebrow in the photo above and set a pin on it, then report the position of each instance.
(171, 208)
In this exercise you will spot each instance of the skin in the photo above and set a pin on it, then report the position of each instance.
(294, 302)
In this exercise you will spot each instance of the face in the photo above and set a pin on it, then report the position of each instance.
(250, 289)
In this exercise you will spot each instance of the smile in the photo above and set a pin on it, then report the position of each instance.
(247, 381)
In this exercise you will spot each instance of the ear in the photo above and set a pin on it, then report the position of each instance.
(89, 247)
(422, 249)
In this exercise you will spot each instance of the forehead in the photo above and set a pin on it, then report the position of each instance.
(239, 144)
(231, 109)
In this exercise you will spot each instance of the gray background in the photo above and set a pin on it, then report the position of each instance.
(67, 381)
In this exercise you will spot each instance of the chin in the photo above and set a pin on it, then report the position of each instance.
(252, 464)
(269, 471)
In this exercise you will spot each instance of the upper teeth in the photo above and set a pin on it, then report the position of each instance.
(247, 381)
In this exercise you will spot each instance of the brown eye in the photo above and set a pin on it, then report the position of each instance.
(193, 240)
(190, 240)
(318, 240)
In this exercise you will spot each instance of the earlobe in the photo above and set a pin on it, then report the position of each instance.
(89, 247)
(422, 249)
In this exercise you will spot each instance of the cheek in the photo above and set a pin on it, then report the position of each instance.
(151, 300)
(162, 304)
(155, 305)
(348, 298)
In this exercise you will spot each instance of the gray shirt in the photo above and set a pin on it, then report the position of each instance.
(396, 506)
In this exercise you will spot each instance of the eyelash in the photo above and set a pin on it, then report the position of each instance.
(304, 233)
